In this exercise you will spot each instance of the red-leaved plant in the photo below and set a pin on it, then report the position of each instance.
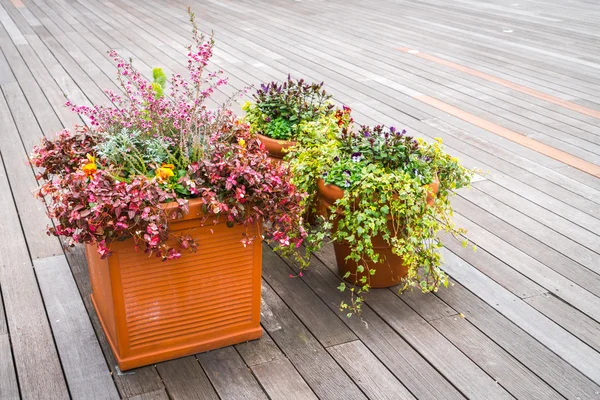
(111, 181)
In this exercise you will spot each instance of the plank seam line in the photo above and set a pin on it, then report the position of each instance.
(513, 136)
(503, 82)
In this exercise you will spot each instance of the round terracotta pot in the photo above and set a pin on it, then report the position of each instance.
(276, 148)
(388, 272)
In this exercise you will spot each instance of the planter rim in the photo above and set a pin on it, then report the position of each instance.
(332, 192)
(276, 147)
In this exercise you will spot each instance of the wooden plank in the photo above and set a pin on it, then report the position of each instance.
(259, 351)
(526, 317)
(338, 89)
(132, 383)
(558, 233)
(156, 395)
(9, 388)
(398, 356)
(32, 212)
(6, 74)
(282, 381)
(538, 358)
(559, 282)
(448, 359)
(82, 361)
(313, 313)
(184, 378)
(375, 380)
(229, 375)
(274, 371)
(31, 72)
(568, 317)
(36, 359)
(317, 367)
(502, 367)
(494, 268)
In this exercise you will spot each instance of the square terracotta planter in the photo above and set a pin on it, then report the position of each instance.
(153, 311)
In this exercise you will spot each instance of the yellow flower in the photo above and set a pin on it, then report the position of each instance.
(165, 172)
(242, 143)
(90, 168)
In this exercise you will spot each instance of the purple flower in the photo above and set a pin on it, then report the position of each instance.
(347, 183)
(325, 174)
(267, 119)
(347, 173)
(356, 156)
(336, 159)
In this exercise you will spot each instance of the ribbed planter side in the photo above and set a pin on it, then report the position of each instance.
(152, 311)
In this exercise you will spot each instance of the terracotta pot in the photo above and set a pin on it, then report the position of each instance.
(153, 311)
(389, 272)
(276, 148)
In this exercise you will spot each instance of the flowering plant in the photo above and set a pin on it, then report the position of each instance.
(110, 181)
(285, 110)
(385, 176)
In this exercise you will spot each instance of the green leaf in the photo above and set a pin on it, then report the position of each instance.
(342, 287)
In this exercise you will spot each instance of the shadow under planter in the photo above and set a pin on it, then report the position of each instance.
(153, 310)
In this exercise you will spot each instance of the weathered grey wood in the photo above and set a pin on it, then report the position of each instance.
(229, 375)
(82, 360)
(369, 373)
(132, 383)
(36, 359)
(9, 388)
(568, 317)
(538, 358)
(536, 324)
(317, 367)
(566, 243)
(494, 268)
(313, 313)
(503, 368)
(533, 269)
(281, 381)
(261, 351)
(184, 378)
(32, 212)
(50, 47)
(401, 358)
(156, 395)
(449, 360)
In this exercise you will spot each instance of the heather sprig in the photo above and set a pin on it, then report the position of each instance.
(160, 144)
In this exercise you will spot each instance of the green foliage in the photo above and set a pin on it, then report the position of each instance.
(159, 81)
(281, 110)
(133, 153)
(385, 176)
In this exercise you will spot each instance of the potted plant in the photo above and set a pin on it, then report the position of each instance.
(386, 196)
(282, 113)
(172, 200)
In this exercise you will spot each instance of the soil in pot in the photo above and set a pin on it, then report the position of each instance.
(388, 272)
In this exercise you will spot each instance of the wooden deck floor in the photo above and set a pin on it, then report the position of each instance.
(511, 86)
